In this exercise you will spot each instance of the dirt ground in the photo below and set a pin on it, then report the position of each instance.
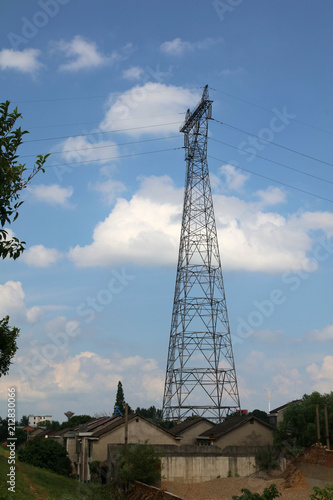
(291, 483)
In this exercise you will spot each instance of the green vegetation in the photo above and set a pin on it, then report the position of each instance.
(8, 346)
(12, 180)
(268, 494)
(138, 462)
(298, 428)
(267, 458)
(47, 454)
(120, 399)
(322, 493)
(32, 481)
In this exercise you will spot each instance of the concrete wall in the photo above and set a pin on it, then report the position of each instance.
(248, 434)
(196, 469)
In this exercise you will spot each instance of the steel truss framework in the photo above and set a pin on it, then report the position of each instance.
(200, 375)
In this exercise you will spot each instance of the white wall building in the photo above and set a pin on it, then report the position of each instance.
(35, 419)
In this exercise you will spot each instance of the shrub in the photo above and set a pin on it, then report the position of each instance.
(267, 458)
(138, 462)
(46, 454)
(322, 493)
(268, 494)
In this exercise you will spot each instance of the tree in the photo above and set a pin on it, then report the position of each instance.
(76, 421)
(8, 346)
(299, 427)
(12, 182)
(120, 399)
(138, 462)
(152, 413)
(24, 420)
(46, 454)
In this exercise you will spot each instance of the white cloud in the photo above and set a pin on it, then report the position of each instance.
(84, 54)
(12, 303)
(40, 256)
(234, 179)
(268, 336)
(53, 194)
(324, 335)
(145, 106)
(232, 72)
(178, 47)
(81, 149)
(322, 375)
(110, 189)
(87, 377)
(25, 61)
(146, 230)
(146, 227)
(133, 73)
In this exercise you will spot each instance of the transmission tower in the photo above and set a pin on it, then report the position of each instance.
(200, 375)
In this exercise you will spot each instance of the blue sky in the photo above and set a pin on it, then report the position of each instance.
(104, 87)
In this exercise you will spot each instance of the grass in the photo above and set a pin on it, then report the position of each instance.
(33, 483)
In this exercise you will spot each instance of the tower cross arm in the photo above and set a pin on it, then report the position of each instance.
(198, 111)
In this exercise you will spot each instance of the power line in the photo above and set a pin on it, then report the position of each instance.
(274, 143)
(274, 180)
(108, 146)
(270, 111)
(116, 94)
(94, 123)
(276, 162)
(103, 132)
(109, 158)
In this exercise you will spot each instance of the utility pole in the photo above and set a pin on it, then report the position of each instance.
(200, 375)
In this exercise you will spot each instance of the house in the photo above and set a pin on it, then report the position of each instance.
(90, 442)
(238, 432)
(190, 429)
(35, 419)
(276, 416)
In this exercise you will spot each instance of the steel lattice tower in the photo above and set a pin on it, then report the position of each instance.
(200, 375)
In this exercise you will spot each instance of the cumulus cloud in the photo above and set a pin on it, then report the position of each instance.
(146, 227)
(40, 256)
(252, 237)
(267, 336)
(52, 195)
(84, 54)
(109, 189)
(322, 374)
(86, 376)
(324, 335)
(178, 47)
(25, 61)
(133, 73)
(234, 180)
(145, 106)
(12, 303)
(82, 149)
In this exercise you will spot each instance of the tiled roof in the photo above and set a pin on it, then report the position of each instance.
(229, 425)
(279, 408)
(187, 424)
